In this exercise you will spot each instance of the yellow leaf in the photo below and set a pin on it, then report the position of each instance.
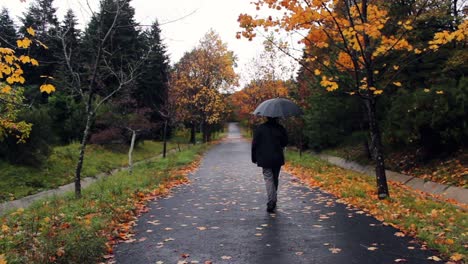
(25, 59)
(317, 72)
(47, 219)
(23, 43)
(434, 258)
(376, 92)
(34, 62)
(426, 90)
(6, 89)
(48, 88)
(2, 259)
(457, 257)
(31, 31)
(439, 92)
(5, 228)
(397, 84)
(396, 67)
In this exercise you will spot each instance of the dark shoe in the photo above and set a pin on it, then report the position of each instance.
(271, 207)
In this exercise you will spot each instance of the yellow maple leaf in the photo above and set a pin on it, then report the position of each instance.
(439, 92)
(23, 43)
(25, 59)
(6, 89)
(47, 88)
(34, 62)
(397, 84)
(317, 72)
(31, 31)
(426, 90)
(396, 67)
(376, 92)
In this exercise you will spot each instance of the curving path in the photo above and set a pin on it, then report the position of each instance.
(220, 217)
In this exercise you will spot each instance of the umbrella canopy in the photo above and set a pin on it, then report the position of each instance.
(278, 107)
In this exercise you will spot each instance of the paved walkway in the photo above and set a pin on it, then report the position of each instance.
(220, 217)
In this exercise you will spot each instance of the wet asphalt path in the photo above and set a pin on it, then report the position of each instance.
(220, 217)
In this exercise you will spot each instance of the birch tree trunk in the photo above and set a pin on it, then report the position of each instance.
(130, 152)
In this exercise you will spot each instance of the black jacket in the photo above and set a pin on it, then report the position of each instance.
(267, 145)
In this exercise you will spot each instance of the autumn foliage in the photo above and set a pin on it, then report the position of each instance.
(11, 78)
(350, 47)
(199, 79)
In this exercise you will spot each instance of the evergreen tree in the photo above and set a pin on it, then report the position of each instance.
(151, 91)
(8, 34)
(41, 16)
(124, 45)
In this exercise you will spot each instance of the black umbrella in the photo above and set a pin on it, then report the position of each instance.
(278, 107)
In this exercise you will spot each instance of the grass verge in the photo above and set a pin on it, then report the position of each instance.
(442, 226)
(67, 230)
(19, 181)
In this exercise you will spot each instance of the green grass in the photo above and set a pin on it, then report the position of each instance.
(19, 181)
(440, 224)
(67, 230)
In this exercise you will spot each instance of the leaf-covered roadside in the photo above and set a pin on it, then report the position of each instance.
(452, 170)
(67, 230)
(439, 225)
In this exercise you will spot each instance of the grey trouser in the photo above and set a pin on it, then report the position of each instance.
(271, 175)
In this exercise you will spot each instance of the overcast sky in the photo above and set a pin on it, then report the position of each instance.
(198, 16)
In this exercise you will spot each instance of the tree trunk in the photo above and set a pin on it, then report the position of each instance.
(382, 188)
(79, 165)
(165, 139)
(130, 152)
(192, 134)
(204, 132)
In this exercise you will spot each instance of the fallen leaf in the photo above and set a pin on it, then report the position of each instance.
(372, 248)
(60, 251)
(399, 234)
(457, 257)
(226, 257)
(299, 253)
(184, 255)
(201, 228)
(434, 258)
(401, 260)
(335, 250)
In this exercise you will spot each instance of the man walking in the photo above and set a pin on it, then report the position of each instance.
(268, 143)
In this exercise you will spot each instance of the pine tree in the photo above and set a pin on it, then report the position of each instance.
(8, 34)
(151, 91)
(41, 16)
(124, 45)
